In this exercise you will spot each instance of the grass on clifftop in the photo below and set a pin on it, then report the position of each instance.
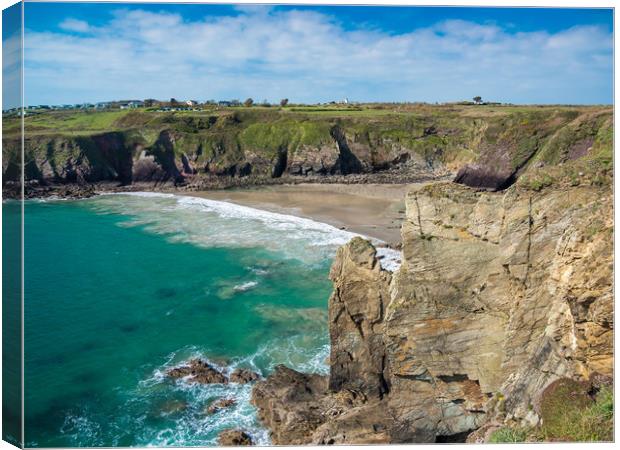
(111, 120)
(549, 142)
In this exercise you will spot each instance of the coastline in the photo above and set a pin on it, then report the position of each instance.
(373, 210)
(367, 205)
(275, 208)
(199, 182)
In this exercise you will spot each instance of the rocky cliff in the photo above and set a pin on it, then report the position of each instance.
(498, 296)
(490, 146)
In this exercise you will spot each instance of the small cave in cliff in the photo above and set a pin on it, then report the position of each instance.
(280, 163)
(457, 438)
(481, 177)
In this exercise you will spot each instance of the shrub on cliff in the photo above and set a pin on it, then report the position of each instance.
(570, 414)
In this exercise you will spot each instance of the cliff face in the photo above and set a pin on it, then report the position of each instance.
(504, 293)
(499, 295)
(492, 147)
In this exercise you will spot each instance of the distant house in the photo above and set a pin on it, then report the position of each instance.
(131, 104)
(102, 105)
(224, 103)
(191, 102)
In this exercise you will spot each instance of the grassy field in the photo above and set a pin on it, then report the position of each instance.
(76, 122)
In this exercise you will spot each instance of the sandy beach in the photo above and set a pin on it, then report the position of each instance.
(374, 210)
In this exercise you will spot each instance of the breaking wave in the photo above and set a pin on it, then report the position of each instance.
(212, 223)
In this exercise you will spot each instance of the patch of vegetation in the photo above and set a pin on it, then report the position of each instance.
(274, 136)
(570, 414)
(572, 140)
(594, 228)
(73, 122)
(380, 134)
(536, 181)
(508, 435)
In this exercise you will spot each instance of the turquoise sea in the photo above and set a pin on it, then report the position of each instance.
(121, 287)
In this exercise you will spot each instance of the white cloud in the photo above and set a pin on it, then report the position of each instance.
(307, 56)
(79, 26)
(11, 71)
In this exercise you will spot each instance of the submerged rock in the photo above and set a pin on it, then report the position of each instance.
(234, 438)
(172, 406)
(301, 319)
(220, 404)
(198, 371)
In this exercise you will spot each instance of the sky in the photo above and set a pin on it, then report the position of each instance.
(11, 60)
(92, 52)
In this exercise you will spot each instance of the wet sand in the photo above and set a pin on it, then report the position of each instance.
(374, 210)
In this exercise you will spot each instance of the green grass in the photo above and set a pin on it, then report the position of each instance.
(537, 181)
(508, 435)
(462, 134)
(273, 136)
(568, 414)
(74, 121)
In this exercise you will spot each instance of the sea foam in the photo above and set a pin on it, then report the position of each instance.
(214, 223)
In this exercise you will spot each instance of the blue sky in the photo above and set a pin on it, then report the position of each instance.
(93, 52)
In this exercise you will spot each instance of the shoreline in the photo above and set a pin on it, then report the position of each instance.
(199, 183)
(372, 210)
(388, 251)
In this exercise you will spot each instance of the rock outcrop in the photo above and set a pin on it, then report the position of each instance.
(288, 404)
(198, 371)
(243, 376)
(219, 405)
(507, 148)
(499, 295)
(234, 438)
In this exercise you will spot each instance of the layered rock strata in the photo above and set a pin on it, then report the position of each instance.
(498, 296)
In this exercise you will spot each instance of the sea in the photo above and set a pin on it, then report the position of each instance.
(121, 287)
